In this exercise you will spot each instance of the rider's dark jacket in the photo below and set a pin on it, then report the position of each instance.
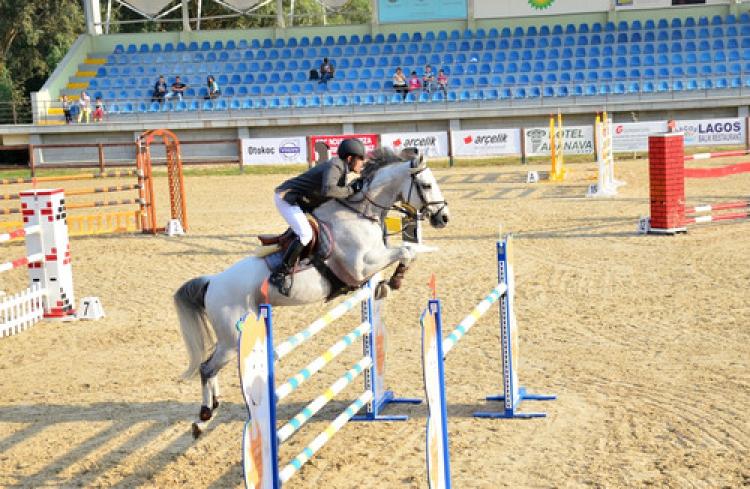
(317, 185)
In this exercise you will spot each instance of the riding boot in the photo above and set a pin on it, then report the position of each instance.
(281, 278)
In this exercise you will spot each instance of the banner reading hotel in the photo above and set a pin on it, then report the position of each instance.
(713, 132)
(274, 151)
(370, 141)
(579, 140)
(633, 136)
(434, 144)
(486, 142)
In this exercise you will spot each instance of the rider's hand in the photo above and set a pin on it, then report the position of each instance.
(357, 185)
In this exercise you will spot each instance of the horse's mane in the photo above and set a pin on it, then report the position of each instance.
(379, 159)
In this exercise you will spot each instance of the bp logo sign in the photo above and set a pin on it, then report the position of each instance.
(541, 4)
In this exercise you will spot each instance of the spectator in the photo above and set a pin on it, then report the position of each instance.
(66, 109)
(160, 90)
(326, 71)
(84, 107)
(314, 75)
(98, 110)
(428, 79)
(399, 83)
(442, 81)
(414, 83)
(178, 89)
(213, 88)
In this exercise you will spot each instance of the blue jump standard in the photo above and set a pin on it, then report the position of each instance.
(388, 398)
(523, 395)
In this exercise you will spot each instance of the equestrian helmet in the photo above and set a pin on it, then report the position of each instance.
(351, 147)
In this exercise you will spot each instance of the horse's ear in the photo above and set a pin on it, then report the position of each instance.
(418, 163)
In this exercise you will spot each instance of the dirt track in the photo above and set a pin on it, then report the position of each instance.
(646, 341)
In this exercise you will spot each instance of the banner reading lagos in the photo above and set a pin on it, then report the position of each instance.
(713, 132)
(579, 140)
(486, 142)
(429, 143)
(265, 151)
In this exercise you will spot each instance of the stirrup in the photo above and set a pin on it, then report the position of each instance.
(283, 282)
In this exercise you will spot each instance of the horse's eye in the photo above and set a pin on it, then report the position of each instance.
(426, 186)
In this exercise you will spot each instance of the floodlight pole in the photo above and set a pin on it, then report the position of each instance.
(280, 14)
(185, 16)
(93, 12)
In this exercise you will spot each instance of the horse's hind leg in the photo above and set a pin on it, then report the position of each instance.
(209, 371)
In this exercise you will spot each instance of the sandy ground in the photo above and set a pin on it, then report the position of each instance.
(645, 339)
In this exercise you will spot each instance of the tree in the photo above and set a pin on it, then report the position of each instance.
(34, 37)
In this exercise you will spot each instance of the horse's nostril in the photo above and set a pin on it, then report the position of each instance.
(445, 218)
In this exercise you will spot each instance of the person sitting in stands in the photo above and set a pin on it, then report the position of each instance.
(213, 88)
(326, 71)
(178, 89)
(428, 79)
(160, 90)
(399, 83)
(98, 110)
(66, 109)
(442, 81)
(414, 83)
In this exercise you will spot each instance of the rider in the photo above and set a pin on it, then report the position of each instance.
(307, 191)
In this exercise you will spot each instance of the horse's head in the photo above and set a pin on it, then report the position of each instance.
(392, 177)
(424, 194)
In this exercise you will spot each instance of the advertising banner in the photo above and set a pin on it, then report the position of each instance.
(265, 151)
(486, 142)
(370, 141)
(633, 136)
(421, 10)
(713, 132)
(433, 144)
(488, 9)
(579, 140)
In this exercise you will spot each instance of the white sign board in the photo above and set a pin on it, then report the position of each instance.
(429, 143)
(486, 142)
(633, 136)
(488, 9)
(579, 140)
(713, 132)
(265, 151)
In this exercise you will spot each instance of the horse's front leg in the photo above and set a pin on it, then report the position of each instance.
(376, 261)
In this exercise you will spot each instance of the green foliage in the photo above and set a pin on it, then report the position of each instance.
(34, 37)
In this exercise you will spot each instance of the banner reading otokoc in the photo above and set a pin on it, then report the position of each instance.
(429, 143)
(370, 141)
(486, 142)
(265, 151)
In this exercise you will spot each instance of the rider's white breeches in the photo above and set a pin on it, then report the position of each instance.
(296, 219)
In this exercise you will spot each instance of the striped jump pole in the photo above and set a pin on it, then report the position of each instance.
(257, 357)
(435, 349)
(667, 174)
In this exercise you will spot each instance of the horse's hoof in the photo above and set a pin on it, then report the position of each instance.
(381, 291)
(205, 413)
(197, 431)
(394, 283)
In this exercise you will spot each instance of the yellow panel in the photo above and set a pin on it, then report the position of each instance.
(78, 85)
(54, 111)
(86, 74)
(95, 61)
(393, 224)
(51, 123)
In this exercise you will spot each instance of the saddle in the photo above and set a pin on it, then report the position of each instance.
(284, 239)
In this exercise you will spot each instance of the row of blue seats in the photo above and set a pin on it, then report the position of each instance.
(648, 57)
(452, 96)
(719, 78)
(724, 42)
(531, 31)
(551, 67)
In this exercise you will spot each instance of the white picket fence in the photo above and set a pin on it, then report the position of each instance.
(22, 310)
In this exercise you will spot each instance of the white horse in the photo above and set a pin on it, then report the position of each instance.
(356, 226)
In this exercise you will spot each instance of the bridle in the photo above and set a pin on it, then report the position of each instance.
(407, 209)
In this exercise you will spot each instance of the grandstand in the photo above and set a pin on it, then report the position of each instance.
(675, 60)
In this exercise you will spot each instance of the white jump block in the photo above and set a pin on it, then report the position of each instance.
(91, 309)
(174, 228)
(532, 176)
(644, 225)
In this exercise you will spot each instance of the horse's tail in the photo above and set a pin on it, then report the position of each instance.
(191, 310)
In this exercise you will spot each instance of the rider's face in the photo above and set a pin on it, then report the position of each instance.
(356, 164)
